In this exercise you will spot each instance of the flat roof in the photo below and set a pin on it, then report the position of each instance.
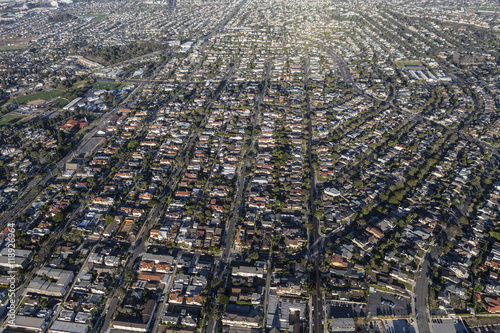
(68, 327)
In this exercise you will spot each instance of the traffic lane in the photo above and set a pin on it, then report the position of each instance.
(421, 299)
(375, 307)
(111, 309)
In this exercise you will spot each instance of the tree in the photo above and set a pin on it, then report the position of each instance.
(122, 292)
(463, 220)
(223, 300)
(132, 144)
(318, 214)
(59, 217)
(446, 247)
(253, 256)
(74, 236)
(153, 202)
(129, 275)
(91, 181)
(361, 222)
(358, 184)
(109, 219)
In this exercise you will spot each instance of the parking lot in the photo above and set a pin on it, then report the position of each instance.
(398, 326)
(341, 310)
(394, 306)
(485, 329)
(371, 327)
(444, 325)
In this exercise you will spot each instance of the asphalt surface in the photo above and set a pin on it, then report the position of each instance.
(398, 326)
(344, 71)
(315, 236)
(445, 325)
(241, 182)
(24, 203)
(402, 308)
(421, 293)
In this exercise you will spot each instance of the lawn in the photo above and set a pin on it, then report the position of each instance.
(61, 102)
(403, 63)
(124, 84)
(45, 95)
(387, 290)
(488, 9)
(99, 18)
(11, 47)
(9, 44)
(11, 119)
(110, 85)
(482, 320)
(106, 85)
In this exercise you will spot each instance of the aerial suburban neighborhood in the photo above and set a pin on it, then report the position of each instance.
(245, 166)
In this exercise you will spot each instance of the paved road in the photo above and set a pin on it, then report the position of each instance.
(22, 205)
(161, 308)
(155, 213)
(315, 236)
(139, 246)
(421, 293)
(344, 71)
(46, 249)
(226, 252)
(267, 290)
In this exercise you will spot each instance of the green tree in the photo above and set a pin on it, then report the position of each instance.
(122, 292)
(59, 217)
(129, 275)
(109, 219)
(223, 300)
(91, 181)
(132, 144)
(253, 256)
(153, 202)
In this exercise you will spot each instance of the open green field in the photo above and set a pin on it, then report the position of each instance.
(486, 9)
(11, 47)
(403, 63)
(9, 44)
(99, 18)
(61, 102)
(45, 95)
(11, 119)
(110, 85)
(106, 85)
